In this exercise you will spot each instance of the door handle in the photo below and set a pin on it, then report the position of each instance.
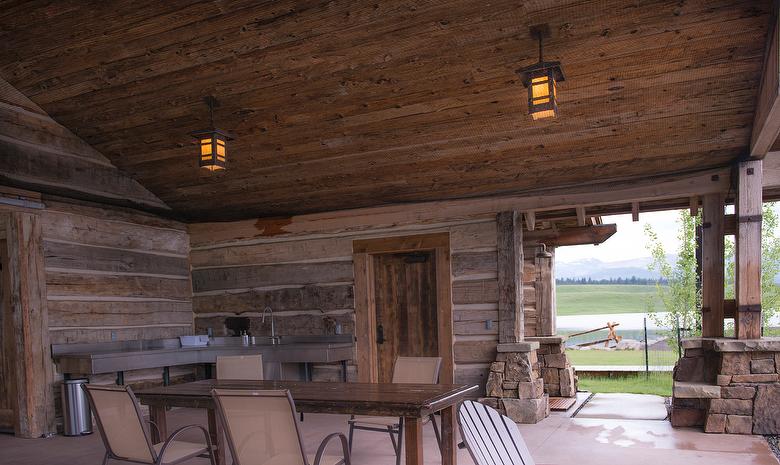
(380, 334)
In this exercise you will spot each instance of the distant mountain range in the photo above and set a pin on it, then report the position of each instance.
(596, 269)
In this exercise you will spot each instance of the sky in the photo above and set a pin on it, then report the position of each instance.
(629, 240)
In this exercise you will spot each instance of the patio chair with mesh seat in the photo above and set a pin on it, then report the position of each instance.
(240, 367)
(126, 435)
(412, 370)
(260, 429)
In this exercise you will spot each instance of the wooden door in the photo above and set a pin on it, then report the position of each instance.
(6, 336)
(406, 313)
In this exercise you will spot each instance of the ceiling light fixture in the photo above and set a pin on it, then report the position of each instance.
(213, 141)
(541, 79)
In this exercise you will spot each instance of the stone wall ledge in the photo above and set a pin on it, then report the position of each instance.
(526, 346)
(548, 339)
(687, 390)
(766, 344)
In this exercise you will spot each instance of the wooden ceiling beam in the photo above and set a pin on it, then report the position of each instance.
(579, 235)
(766, 122)
(357, 220)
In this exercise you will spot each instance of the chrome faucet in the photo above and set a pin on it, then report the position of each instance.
(269, 310)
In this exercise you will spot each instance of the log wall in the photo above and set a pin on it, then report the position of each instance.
(308, 280)
(114, 274)
(111, 272)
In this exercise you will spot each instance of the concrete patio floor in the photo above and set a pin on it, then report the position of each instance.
(558, 440)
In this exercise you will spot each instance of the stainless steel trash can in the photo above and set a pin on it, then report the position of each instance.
(76, 414)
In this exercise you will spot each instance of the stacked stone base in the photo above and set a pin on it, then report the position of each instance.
(559, 377)
(514, 387)
(728, 386)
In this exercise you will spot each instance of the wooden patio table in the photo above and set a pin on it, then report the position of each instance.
(414, 402)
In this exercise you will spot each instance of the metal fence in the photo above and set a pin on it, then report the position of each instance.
(611, 349)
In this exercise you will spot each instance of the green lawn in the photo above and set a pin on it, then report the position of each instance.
(619, 357)
(595, 299)
(656, 383)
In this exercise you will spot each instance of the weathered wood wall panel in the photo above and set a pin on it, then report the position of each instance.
(307, 279)
(115, 274)
(38, 153)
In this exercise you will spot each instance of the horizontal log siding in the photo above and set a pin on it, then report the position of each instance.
(116, 274)
(308, 281)
(113, 270)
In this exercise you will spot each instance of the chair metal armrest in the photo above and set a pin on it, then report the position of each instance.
(176, 433)
(324, 444)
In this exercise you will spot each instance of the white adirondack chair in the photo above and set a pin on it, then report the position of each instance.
(491, 438)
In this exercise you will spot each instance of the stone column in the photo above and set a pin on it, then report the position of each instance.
(560, 379)
(514, 387)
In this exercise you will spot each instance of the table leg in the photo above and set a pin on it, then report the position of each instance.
(449, 437)
(157, 415)
(413, 440)
(217, 438)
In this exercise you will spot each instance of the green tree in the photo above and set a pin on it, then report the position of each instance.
(680, 297)
(770, 265)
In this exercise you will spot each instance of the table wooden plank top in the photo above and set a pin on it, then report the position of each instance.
(409, 400)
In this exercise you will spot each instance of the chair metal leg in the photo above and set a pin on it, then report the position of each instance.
(391, 432)
(399, 451)
(351, 435)
(105, 458)
(436, 431)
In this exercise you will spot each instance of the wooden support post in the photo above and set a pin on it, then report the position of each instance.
(748, 256)
(413, 439)
(634, 211)
(365, 319)
(25, 281)
(545, 294)
(712, 263)
(580, 216)
(449, 436)
(694, 205)
(510, 278)
(530, 220)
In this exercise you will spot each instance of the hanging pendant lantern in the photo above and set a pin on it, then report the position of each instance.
(212, 142)
(541, 80)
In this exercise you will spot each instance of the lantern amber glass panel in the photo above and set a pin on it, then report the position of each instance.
(213, 150)
(542, 96)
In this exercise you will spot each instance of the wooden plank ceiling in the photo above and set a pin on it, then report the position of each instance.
(342, 104)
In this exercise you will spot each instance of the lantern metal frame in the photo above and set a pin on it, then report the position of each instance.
(549, 69)
(218, 138)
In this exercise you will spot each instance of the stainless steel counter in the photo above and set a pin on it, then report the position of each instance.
(109, 357)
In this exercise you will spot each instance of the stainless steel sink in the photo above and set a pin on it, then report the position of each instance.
(104, 357)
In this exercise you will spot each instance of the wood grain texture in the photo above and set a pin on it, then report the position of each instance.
(342, 105)
(748, 250)
(545, 296)
(766, 122)
(712, 265)
(270, 275)
(662, 191)
(32, 364)
(114, 274)
(38, 153)
(295, 298)
(406, 309)
(510, 289)
(65, 256)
